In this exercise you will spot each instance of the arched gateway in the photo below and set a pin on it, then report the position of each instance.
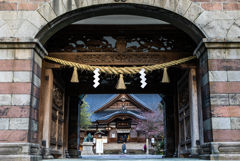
(37, 98)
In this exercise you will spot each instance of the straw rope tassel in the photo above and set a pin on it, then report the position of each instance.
(120, 84)
(75, 76)
(165, 78)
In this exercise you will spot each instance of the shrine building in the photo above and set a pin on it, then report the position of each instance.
(114, 114)
(54, 52)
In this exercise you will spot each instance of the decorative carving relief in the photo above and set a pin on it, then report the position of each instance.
(120, 58)
(121, 43)
(184, 97)
(57, 97)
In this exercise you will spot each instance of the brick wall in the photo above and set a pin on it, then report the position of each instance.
(220, 78)
(31, 5)
(218, 5)
(20, 73)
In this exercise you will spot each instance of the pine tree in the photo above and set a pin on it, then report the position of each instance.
(85, 120)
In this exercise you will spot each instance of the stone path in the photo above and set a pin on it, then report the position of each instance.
(129, 157)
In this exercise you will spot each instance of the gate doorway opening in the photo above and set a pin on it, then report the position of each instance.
(120, 45)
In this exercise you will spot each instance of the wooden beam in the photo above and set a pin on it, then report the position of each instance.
(114, 58)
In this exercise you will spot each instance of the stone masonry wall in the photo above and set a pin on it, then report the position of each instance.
(220, 81)
(31, 5)
(20, 72)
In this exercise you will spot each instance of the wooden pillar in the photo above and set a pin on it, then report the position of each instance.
(66, 127)
(193, 102)
(169, 127)
(47, 105)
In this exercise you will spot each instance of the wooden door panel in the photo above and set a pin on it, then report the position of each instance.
(184, 115)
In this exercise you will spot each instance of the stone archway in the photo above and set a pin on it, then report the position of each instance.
(25, 55)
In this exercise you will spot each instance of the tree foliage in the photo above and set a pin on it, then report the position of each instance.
(152, 126)
(85, 114)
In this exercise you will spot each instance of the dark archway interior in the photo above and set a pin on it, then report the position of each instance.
(124, 9)
(114, 44)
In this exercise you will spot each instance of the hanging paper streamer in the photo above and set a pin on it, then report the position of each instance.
(96, 76)
(143, 81)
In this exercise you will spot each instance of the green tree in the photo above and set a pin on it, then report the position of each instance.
(85, 120)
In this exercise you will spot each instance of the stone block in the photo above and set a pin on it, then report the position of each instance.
(207, 125)
(14, 24)
(234, 99)
(26, 29)
(47, 12)
(37, 70)
(149, 2)
(16, 65)
(226, 135)
(36, 92)
(224, 87)
(221, 123)
(92, 2)
(218, 28)
(204, 80)
(13, 136)
(69, 5)
(5, 99)
(225, 111)
(22, 76)
(235, 123)
(193, 12)
(217, 76)
(19, 124)
(34, 126)
(21, 99)
(5, 31)
(38, 60)
(183, 6)
(24, 54)
(15, 88)
(58, 7)
(34, 114)
(7, 54)
(6, 76)
(37, 20)
(203, 70)
(205, 102)
(81, 3)
(161, 3)
(36, 81)
(203, 59)
(217, 53)
(233, 54)
(234, 31)
(224, 65)
(2, 22)
(35, 103)
(14, 111)
(4, 123)
(171, 5)
(205, 91)
(233, 76)
(203, 19)
(219, 99)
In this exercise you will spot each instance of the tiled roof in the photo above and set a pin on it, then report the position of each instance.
(96, 101)
(120, 112)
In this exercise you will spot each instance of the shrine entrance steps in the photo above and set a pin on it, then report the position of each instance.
(132, 148)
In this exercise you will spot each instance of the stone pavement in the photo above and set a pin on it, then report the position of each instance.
(129, 157)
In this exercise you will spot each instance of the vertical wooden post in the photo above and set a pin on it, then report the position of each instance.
(193, 102)
(66, 124)
(47, 118)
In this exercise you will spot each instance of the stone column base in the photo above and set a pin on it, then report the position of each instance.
(220, 151)
(46, 153)
(194, 152)
(20, 152)
(220, 157)
(20, 157)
